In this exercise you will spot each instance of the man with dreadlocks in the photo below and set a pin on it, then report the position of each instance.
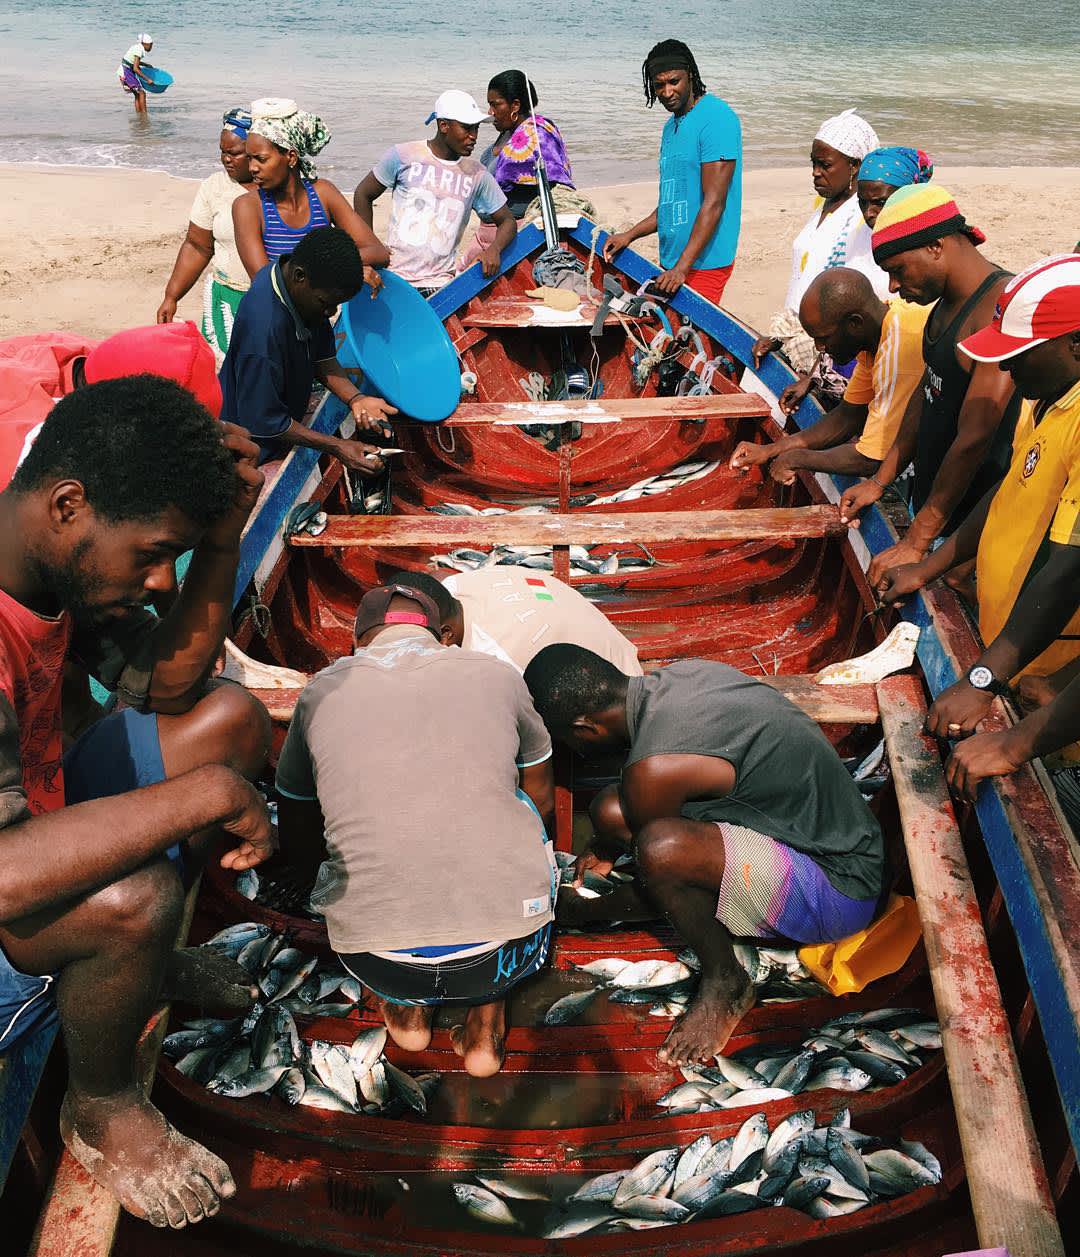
(700, 205)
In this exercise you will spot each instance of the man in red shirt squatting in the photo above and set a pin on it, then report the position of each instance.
(123, 477)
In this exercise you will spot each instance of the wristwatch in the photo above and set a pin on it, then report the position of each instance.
(981, 678)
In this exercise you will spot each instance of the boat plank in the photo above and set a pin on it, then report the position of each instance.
(523, 312)
(827, 704)
(781, 524)
(1010, 1194)
(610, 409)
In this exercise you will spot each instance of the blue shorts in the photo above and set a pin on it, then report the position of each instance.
(121, 752)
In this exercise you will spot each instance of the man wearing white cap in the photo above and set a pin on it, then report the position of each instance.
(130, 72)
(1025, 531)
(436, 184)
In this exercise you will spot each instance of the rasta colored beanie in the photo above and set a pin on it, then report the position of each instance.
(916, 215)
(174, 350)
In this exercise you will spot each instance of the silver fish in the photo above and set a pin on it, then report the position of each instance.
(648, 1177)
(247, 930)
(699, 1191)
(899, 1170)
(655, 1206)
(375, 1086)
(756, 1095)
(294, 980)
(570, 1006)
(405, 1087)
(840, 1076)
(920, 1153)
(848, 1162)
(366, 1049)
(512, 1189)
(689, 1160)
(684, 1093)
(718, 1158)
(881, 1044)
(879, 1069)
(730, 1202)
(925, 1035)
(320, 1097)
(247, 884)
(198, 1064)
(580, 1220)
(752, 1136)
(181, 1042)
(801, 1191)
(745, 1078)
(291, 1086)
(254, 1082)
(351, 988)
(669, 1008)
(235, 1062)
(483, 1204)
(839, 1187)
(792, 1076)
(824, 1207)
(598, 1190)
(331, 1063)
(796, 1126)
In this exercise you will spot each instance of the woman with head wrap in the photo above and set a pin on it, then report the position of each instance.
(886, 169)
(289, 199)
(834, 235)
(210, 239)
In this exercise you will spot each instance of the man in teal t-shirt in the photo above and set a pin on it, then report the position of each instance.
(700, 203)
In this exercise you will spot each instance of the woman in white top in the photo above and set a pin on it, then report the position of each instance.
(210, 238)
(835, 234)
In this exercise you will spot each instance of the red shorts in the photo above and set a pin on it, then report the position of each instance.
(710, 284)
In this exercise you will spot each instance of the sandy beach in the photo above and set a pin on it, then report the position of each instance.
(89, 250)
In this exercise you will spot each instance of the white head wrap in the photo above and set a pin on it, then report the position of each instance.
(144, 38)
(283, 123)
(848, 134)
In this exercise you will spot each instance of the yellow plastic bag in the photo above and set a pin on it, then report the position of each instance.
(883, 947)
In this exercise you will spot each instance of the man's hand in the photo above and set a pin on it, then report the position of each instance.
(791, 398)
(899, 555)
(225, 534)
(373, 280)
(751, 454)
(359, 457)
(595, 860)
(856, 499)
(250, 822)
(898, 582)
(782, 471)
(1034, 692)
(372, 414)
(490, 260)
(957, 711)
(985, 755)
(669, 282)
(166, 312)
(762, 346)
(615, 244)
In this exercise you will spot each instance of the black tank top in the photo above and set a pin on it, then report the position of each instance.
(944, 395)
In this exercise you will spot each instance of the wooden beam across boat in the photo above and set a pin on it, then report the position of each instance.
(1010, 1194)
(732, 405)
(827, 704)
(439, 532)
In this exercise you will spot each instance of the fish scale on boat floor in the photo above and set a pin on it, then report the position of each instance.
(263, 1053)
(823, 1171)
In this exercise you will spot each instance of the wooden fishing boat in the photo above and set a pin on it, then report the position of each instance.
(714, 565)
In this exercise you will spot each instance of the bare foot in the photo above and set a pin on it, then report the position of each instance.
(481, 1039)
(709, 1022)
(154, 1171)
(408, 1026)
(210, 982)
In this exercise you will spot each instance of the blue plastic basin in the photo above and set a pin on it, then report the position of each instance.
(159, 79)
(399, 343)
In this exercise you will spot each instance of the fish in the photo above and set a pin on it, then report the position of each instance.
(839, 1077)
(745, 1078)
(699, 1191)
(598, 1190)
(247, 884)
(926, 1035)
(878, 1042)
(198, 1064)
(610, 565)
(843, 1155)
(484, 1205)
(792, 1076)
(669, 1008)
(802, 1190)
(721, 1092)
(648, 1176)
(718, 1158)
(375, 1086)
(366, 1049)
(512, 1189)
(839, 1187)
(655, 1206)
(901, 1172)
(879, 1069)
(920, 1153)
(317, 1010)
(320, 1097)
(781, 1172)
(405, 1087)
(729, 1202)
(181, 1042)
(569, 1007)
(254, 1082)
(291, 1086)
(580, 1221)
(351, 988)
(684, 1093)
(247, 930)
(690, 1158)
(331, 1064)
(294, 980)
(823, 1207)
(752, 1136)
(236, 1061)
(795, 1126)
(639, 973)
(756, 1095)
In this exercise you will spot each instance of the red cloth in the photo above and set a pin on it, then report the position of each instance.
(174, 350)
(32, 652)
(710, 284)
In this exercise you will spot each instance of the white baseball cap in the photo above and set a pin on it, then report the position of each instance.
(144, 38)
(1039, 304)
(458, 107)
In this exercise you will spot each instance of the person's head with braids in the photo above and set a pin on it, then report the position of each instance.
(669, 74)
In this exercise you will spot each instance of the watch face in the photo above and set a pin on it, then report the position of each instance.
(981, 678)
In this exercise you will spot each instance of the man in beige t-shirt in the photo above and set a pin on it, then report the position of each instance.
(423, 776)
(514, 612)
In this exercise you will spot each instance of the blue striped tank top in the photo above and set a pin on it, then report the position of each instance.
(278, 237)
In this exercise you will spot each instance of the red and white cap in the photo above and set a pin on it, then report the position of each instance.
(1037, 305)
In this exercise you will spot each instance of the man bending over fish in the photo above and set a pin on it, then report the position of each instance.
(742, 819)
(124, 476)
(438, 877)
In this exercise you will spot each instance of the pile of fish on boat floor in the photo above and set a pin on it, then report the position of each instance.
(667, 986)
(540, 558)
(852, 1052)
(262, 1053)
(824, 1171)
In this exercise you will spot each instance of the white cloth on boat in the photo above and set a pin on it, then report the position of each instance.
(848, 134)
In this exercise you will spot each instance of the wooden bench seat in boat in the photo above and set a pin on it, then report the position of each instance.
(441, 532)
(732, 405)
(523, 312)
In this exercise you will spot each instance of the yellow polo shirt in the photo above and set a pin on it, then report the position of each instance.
(1038, 501)
(884, 381)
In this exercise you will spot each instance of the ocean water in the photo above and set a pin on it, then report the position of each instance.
(974, 82)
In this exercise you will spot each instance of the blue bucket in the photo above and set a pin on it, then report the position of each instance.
(399, 343)
(159, 79)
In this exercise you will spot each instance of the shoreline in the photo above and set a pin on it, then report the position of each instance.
(88, 248)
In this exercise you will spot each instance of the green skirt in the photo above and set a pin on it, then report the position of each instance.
(220, 303)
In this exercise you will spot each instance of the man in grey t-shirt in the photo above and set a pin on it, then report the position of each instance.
(742, 818)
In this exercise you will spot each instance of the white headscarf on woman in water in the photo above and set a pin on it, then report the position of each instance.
(285, 124)
(848, 134)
